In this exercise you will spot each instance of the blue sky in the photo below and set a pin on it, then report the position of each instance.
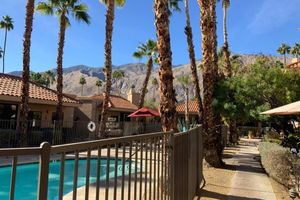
(256, 26)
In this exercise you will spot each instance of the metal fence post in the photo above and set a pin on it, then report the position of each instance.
(43, 171)
(171, 174)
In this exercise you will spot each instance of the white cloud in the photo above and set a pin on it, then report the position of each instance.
(273, 14)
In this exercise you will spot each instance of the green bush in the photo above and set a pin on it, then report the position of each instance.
(292, 141)
(277, 161)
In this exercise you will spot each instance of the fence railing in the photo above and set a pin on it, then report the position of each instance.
(69, 132)
(134, 167)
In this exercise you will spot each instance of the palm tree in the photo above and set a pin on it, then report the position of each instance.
(1, 53)
(155, 85)
(295, 51)
(116, 76)
(99, 84)
(49, 76)
(148, 50)
(212, 144)
(185, 82)
(191, 50)
(63, 8)
(226, 4)
(167, 92)
(82, 82)
(7, 24)
(110, 14)
(283, 50)
(23, 125)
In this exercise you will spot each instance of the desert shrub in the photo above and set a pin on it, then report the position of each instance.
(277, 161)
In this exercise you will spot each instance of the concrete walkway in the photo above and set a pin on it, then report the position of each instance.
(250, 181)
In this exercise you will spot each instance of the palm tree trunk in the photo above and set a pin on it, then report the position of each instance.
(233, 131)
(283, 56)
(212, 144)
(145, 84)
(189, 35)
(108, 63)
(187, 118)
(167, 92)
(226, 46)
(4, 50)
(81, 90)
(59, 86)
(22, 124)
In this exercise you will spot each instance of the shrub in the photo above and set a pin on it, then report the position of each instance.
(292, 141)
(277, 161)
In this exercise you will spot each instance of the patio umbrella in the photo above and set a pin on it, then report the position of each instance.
(289, 109)
(145, 112)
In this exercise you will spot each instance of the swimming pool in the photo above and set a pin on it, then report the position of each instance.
(27, 177)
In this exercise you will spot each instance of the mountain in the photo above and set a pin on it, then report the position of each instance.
(134, 76)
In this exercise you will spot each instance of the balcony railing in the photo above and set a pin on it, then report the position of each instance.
(148, 166)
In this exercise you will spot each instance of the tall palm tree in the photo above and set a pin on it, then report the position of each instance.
(184, 80)
(1, 53)
(23, 125)
(110, 15)
(99, 84)
(82, 82)
(191, 50)
(116, 76)
(7, 24)
(167, 92)
(148, 50)
(226, 4)
(212, 144)
(283, 50)
(155, 85)
(295, 50)
(63, 8)
(49, 77)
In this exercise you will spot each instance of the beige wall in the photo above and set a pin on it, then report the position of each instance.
(47, 111)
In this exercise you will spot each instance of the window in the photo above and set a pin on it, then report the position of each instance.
(8, 112)
(35, 118)
(35, 115)
(54, 116)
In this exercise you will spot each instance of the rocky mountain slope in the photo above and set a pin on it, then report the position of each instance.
(134, 75)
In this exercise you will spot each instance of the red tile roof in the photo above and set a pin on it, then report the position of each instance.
(193, 107)
(116, 102)
(12, 86)
(294, 65)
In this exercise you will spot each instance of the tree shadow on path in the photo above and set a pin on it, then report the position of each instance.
(202, 194)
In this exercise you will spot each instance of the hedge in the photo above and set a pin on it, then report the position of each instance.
(277, 162)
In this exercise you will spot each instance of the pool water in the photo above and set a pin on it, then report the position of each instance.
(27, 177)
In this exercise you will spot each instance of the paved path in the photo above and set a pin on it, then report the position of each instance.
(250, 181)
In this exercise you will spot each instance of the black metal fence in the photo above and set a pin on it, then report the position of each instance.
(69, 132)
(148, 166)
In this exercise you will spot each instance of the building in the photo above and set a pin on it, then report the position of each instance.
(91, 107)
(42, 103)
(193, 111)
(295, 65)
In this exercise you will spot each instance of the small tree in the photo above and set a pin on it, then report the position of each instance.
(99, 84)
(185, 81)
(82, 82)
(118, 75)
(49, 77)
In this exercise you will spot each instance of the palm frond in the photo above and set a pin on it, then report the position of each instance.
(44, 8)
(80, 13)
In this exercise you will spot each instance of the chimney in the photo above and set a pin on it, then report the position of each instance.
(133, 97)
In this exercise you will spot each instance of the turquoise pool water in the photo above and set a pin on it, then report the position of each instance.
(27, 178)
